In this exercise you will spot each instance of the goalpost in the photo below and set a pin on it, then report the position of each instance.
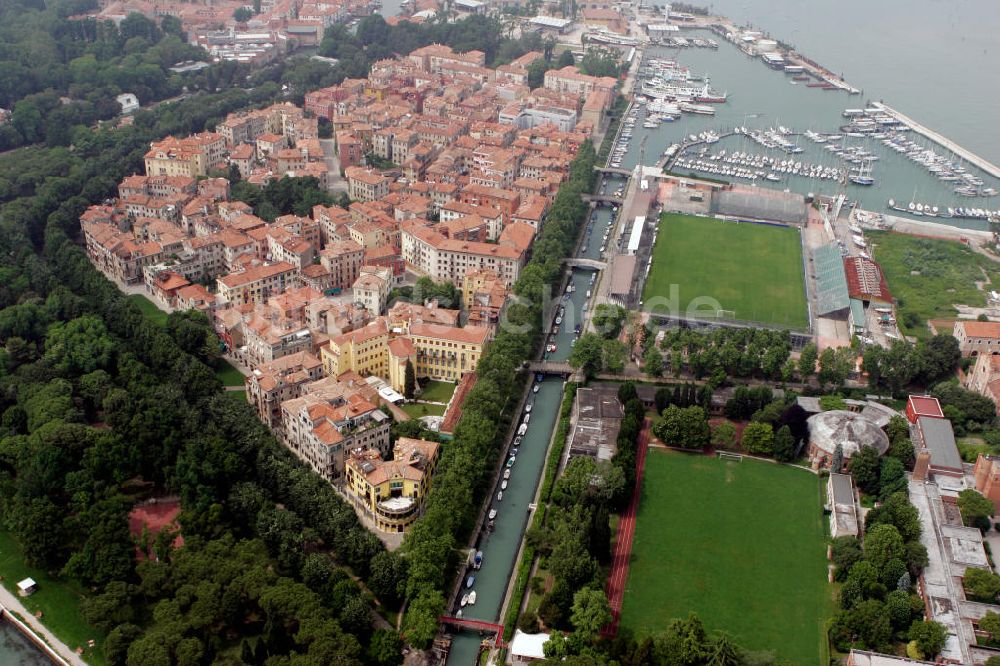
(733, 457)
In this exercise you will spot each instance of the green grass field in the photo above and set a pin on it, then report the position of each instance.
(153, 313)
(58, 600)
(752, 269)
(433, 391)
(742, 544)
(929, 276)
(228, 374)
(418, 409)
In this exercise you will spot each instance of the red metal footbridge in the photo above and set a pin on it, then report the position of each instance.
(476, 625)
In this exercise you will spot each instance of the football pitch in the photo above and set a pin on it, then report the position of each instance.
(751, 272)
(742, 544)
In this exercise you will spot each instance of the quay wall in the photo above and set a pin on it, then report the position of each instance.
(29, 633)
(942, 141)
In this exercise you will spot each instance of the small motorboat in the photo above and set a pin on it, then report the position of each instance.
(517, 441)
(527, 408)
(535, 388)
(510, 462)
(477, 559)
(506, 473)
(472, 598)
(470, 581)
(527, 417)
(493, 514)
(503, 485)
(500, 496)
(465, 600)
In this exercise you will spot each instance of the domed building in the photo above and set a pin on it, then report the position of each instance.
(851, 430)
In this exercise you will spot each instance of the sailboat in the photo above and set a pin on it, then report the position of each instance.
(863, 174)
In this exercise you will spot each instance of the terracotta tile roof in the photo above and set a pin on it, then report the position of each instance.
(980, 329)
(469, 334)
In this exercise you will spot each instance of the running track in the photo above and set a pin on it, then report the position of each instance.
(623, 545)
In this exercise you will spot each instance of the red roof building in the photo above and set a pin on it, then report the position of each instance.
(918, 406)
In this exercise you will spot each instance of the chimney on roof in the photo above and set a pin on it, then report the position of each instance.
(921, 468)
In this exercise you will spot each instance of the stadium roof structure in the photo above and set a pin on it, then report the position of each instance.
(832, 294)
(760, 205)
(865, 280)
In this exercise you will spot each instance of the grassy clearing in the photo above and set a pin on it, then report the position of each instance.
(58, 600)
(742, 544)
(437, 391)
(928, 277)
(228, 374)
(153, 313)
(417, 409)
(752, 269)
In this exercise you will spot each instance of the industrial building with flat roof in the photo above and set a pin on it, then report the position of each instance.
(598, 417)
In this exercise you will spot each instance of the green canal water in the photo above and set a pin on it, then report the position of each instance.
(16, 650)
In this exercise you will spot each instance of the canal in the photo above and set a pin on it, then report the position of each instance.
(15, 648)
(500, 546)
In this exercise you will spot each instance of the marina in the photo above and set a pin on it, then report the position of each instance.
(870, 154)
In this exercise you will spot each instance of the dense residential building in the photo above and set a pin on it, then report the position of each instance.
(571, 81)
(328, 420)
(302, 300)
(256, 283)
(484, 295)
(366, 184)
(391, 492)
(372, 288)
(192, 156)
(431, 253)
(271, 384)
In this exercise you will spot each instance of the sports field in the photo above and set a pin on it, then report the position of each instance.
(753, 270)
(742, 544)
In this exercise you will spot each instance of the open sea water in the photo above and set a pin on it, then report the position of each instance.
(934, 60)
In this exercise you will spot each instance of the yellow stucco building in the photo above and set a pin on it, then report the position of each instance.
(392, 491)
(437, 351)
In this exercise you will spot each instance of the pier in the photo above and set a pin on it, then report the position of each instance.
(942, 141)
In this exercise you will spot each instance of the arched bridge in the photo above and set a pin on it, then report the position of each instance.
(614, 170)
(577, 262)
(476, 625)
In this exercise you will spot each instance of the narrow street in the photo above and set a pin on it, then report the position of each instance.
(336, 182)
